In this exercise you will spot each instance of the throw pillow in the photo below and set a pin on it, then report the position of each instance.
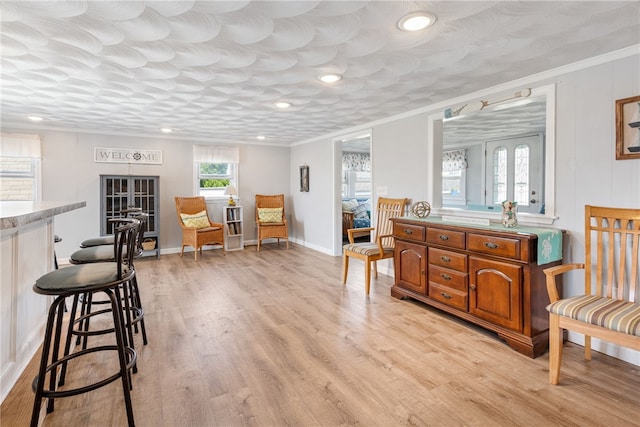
(270, 214)
(361, 211)
(349, 205)
(198, 220)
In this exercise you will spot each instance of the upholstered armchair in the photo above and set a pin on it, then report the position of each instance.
(197, 228)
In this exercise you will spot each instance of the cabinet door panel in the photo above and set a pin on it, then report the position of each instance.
(495, 290)
(410, 266)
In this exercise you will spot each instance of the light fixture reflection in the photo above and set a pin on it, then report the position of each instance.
(282, 104)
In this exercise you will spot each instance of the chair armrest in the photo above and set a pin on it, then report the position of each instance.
(551, 274)
(379, 241)
(359, 231)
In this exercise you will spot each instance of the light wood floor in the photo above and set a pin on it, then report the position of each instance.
(274, 339)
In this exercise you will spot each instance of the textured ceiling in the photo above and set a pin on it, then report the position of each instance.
(212, 70)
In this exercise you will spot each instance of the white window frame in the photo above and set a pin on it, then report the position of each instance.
(459, 199)
(27, 148)
(214, 193)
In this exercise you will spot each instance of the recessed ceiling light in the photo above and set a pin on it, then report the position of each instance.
(261, 137)
(282, 104)
(166, 130)
(35, 118)
(416, 21)
(330, 78)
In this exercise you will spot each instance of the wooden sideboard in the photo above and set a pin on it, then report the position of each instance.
(485, 275)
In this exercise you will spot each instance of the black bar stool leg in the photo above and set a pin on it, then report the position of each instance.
(118, 321)
(38, 384)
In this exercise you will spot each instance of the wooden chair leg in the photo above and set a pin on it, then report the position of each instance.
(182, 251)
(345, 268)
(555, 348)
(375, 269)
(367, 276)
(587, 347)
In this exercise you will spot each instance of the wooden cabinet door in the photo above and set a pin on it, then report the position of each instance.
(495, 292)
(410, 266)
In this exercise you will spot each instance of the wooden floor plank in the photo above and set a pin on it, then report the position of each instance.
(273, 338)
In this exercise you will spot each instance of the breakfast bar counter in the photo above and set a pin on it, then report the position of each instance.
(26, 252)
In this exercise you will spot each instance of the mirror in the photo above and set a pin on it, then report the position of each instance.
(478, 153)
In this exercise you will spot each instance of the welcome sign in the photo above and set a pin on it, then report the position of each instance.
(127, 155)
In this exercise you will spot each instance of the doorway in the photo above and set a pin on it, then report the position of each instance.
(511, 172)
(355, 183)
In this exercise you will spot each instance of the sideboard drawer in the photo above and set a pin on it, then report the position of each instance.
(409, 232)
(452, 239)
(492, 245)
(448, 259)
(449, 296)
(449, 278)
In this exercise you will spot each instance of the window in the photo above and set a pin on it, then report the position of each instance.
(356, 184)
(499, 175)
(454, 177)
(213, 178)
(215, 168)
(20, 167)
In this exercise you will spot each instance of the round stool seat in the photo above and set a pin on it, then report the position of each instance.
(93, 254)
(97, 241)
(81, 278)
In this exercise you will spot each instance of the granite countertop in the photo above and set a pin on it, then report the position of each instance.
(16, 214)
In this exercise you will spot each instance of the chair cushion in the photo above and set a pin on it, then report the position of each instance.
(208, 229)
(79, 277)
(198, 220)
(93, 254)
(270, 214)
(349, 205)
(361, 223)
(361, 211)
(366, 248)
(97, 241)
(617, 315)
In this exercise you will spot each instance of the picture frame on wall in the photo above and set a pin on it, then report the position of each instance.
(628, 128)
(304, 178)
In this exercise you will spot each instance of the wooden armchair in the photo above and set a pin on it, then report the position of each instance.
(609, 309)
(271, 218)
(382, 248)
(197, 228)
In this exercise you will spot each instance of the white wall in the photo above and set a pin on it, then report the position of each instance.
(70, 174)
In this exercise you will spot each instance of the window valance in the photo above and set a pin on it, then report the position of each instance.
(20, 145)
(454, 160)
(215, 154)
(357, 162)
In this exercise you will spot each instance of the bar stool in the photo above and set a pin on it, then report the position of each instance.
(57, 239)
(108, 240)
(73, 281)
(134, 313)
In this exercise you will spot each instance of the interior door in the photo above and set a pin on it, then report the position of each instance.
(512, 172)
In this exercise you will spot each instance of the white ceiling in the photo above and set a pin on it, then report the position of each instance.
(212, 70)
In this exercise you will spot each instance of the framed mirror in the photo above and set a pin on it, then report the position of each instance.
(495, 151)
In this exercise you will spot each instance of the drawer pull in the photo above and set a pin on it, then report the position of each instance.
(445, 295)
(445, 276)
(491, 245)
(443, 237)
(407, 231)
(445, 259)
